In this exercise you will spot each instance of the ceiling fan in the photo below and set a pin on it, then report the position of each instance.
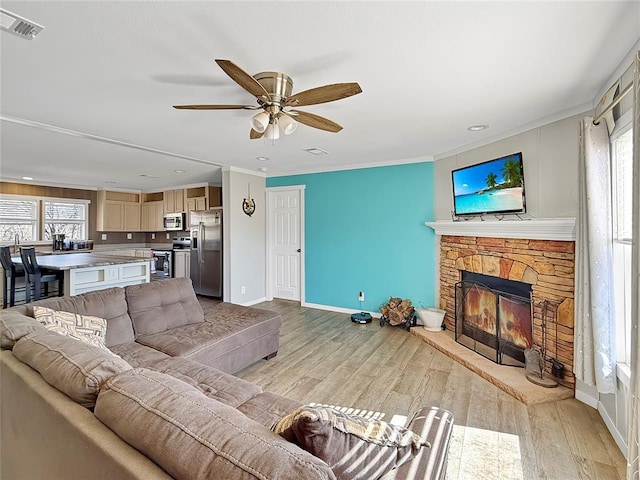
(273, 93)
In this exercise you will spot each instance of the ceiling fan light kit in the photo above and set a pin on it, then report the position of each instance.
(273, 94)
(260, 121)
(287, 124)
(272, 132)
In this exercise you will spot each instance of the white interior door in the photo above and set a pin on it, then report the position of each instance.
(286, 256)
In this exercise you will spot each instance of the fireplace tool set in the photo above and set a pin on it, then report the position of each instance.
(535, 359)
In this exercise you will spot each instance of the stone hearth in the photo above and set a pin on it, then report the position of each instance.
(509, 379)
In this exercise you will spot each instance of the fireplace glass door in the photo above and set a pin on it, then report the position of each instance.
(493, 323)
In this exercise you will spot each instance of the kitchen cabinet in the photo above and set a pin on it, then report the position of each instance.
(118, 212)
(152, 215)
(202, 198)
(196, 203)
(131, 217)
(182, 264)
(174, 201)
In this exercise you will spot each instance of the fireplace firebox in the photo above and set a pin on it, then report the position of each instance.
(493, 317)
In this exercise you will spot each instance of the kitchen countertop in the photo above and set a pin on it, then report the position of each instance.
(81, 260)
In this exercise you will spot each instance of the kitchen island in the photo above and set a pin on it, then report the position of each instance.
(85, 272)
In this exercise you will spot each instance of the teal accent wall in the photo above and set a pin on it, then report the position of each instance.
(365, 231)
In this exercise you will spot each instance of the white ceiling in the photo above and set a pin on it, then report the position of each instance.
(109, 72)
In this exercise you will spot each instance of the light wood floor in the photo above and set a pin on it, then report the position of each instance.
(325, 358)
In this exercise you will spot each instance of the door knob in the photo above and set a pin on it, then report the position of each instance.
(298, 250)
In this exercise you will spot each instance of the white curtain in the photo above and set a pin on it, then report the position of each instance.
(594, 340)
(633, 462)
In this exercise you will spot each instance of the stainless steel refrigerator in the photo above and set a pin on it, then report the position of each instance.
(206, 252)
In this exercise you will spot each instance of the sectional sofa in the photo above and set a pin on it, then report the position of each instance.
(158, 399)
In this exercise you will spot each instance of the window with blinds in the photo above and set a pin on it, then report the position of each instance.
(18, 219)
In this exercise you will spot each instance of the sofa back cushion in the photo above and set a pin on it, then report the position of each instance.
(158, 306)
(71, 366)
(193, 436)
(109, 304)
(15, 324)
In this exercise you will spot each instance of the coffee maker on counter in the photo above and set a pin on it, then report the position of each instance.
(58, 241)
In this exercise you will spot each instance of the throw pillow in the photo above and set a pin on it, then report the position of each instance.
(88, 329)
(354, 447)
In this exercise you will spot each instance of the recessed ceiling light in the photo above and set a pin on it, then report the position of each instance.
(263, 169)
(27, 178)
(262, 159)
(477, 128)
(179, 171)
(316, 151)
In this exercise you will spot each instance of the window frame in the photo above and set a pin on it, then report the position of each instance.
(35, 221)
(621, 268)
(84, 222)
(40, 214)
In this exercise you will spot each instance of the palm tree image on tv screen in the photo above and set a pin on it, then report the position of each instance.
(496, 186)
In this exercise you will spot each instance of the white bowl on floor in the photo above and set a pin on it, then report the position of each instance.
(431, 318)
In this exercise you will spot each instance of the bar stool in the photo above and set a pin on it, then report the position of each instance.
(11, 273)
(35, 277)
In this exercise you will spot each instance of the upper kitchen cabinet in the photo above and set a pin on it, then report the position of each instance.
(153, 209)
(118, 211)
(202, 198)
(174, 201)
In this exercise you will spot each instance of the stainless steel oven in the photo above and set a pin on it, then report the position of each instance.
(162, 264)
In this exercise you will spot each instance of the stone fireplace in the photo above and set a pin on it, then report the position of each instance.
(546, 265)
(538, 253)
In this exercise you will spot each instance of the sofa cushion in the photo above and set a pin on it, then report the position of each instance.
(191, 436)
(86, 328)
(138, 355)
(227, 328)
(15, 324)
(355, 447)
(109, 304)
(267, 408)
(158, 306)
(73, 367)
(213, 383)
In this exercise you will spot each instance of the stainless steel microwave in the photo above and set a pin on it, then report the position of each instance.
(174, 221)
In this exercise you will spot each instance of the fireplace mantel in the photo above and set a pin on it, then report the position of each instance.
(533, 229)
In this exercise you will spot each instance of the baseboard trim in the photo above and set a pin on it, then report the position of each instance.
(332, 308)
(611, 426)
(587, 399)
(254, 302)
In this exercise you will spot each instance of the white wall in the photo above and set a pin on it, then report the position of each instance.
(244, 238)
(550, 161)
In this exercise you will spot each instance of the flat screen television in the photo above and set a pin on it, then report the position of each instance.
(492, 187)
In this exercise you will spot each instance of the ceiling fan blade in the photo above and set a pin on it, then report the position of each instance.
(316, 121)
(324, 94)
(253, 135)
(243, 79)
(216, 107)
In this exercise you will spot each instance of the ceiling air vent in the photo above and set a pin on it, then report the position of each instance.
(18, 25)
